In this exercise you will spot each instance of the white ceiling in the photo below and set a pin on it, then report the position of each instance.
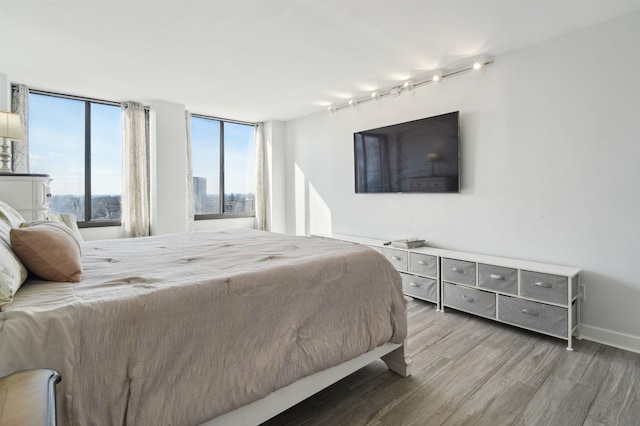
(257, 60)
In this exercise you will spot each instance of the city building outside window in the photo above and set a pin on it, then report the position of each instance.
(224, 169)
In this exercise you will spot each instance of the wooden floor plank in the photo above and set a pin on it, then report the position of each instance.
(618, 399)
(469, 370)
(558, 402)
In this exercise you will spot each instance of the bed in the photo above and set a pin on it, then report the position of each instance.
(186, 328)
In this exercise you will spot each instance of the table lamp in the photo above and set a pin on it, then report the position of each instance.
(10, 128)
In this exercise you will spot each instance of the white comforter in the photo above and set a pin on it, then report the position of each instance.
(179, 329)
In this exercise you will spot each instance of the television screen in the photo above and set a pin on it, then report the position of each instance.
(417, 156)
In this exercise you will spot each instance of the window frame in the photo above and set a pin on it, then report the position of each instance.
(87, 155)
(222, 214)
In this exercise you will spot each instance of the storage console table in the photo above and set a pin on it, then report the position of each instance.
(536, 296)
(29, 194)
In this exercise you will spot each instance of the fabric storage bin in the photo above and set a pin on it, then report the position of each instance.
(536, 316)
(470, 300)
(544, 287)
(498, 278)
(459, 271)
(420, 287)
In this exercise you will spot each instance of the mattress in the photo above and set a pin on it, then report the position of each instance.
(182, 328)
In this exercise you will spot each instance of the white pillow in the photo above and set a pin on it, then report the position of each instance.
(10, 215)
(12, 274)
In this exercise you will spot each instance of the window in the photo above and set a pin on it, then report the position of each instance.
(224, 175)
(77, 142)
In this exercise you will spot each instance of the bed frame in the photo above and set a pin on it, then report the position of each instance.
(394, 355)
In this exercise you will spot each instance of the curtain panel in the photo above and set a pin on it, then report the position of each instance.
(189, 177)
(20, 149)
(135, 173)
(261, 205)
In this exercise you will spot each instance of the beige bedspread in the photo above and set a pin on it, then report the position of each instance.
(178, 329)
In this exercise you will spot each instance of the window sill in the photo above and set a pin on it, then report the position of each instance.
(223, 216)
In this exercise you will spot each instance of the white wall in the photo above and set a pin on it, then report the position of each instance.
(550, 153)
(275, 186)
(168, 151)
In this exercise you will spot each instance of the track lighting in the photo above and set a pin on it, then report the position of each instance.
(408, 85)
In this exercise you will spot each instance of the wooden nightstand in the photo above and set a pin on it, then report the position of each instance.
(28, 398)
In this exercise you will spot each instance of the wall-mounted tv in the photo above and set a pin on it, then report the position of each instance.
(417, 156)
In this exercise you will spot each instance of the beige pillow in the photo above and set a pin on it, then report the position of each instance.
(12, 274)
(49, 250)
(10, 215)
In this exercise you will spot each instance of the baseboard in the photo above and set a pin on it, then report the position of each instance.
(616, 339)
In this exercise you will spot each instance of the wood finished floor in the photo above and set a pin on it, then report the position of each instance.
(472, 371)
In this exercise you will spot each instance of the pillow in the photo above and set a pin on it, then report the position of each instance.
(69, 220)
(5, 232)
(12, 274)
(10, 215)
(49, 250)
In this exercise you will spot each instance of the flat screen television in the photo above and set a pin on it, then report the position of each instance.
(417, 156)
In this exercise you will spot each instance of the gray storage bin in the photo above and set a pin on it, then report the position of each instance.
(470, 300)
(397, 257)
(459, 271)
(544, 287)
(498, 278)
(536, 316)
(423, 264)
(420, 287)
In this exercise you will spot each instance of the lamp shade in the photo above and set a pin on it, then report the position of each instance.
(10, 126)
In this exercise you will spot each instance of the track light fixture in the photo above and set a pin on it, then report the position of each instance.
(408, 85)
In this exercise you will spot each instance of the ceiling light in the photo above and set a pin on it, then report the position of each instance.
(408, 85)
(375, 95)
(395, 91)
(477, 65)
(437, 78)
(332, 108)
(353, 102)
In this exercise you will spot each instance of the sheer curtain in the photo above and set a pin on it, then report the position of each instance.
(190, 205)
(20, 149)
(261, 205)
(135, 187)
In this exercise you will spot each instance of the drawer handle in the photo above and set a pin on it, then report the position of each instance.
(412, 284)
(422, 262)
(456, 269)
(496, 277)
(48, 195)
(467, 298)
(542, 284)
(396, 258)
(532, 313)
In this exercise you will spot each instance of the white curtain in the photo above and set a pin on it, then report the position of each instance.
(261, 205)
(135, 187)
(190, 202)
(20, 149)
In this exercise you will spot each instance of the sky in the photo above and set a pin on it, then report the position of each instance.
(56, 144)
(56, 139)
